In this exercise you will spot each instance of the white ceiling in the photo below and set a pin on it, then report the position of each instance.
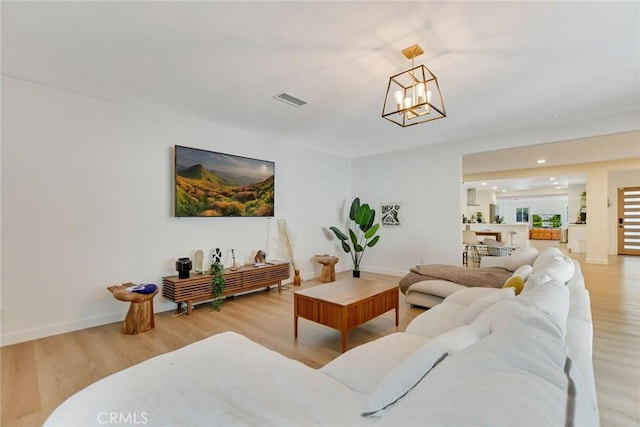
(502, 66)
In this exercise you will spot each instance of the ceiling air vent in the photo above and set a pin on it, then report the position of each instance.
(290, 99)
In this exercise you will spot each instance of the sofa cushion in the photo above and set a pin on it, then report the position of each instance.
(413, 369)
(524, 255)
(518, 278)
(363, 367)
(504, 313)
(523, 271)
(437, 320)
(403, 379)
(514, 282)
(423, 300)
(481, 304)
(554, 263)
(511, 377)
(551, 298)
(536, 279)
(466, 296)
(441, 288)
(459, 338)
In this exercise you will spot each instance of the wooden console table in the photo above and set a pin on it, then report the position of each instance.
(246, 278)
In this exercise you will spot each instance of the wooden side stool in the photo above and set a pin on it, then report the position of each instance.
(328, 262)
(140, 315)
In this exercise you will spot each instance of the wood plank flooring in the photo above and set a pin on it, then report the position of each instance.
(36, 376)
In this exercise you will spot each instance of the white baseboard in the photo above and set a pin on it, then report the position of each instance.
(387, 271)
(60, 328)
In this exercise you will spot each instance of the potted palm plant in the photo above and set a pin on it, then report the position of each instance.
(361, 235)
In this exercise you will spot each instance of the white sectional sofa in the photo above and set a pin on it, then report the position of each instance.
(426, 291)
(481, 357)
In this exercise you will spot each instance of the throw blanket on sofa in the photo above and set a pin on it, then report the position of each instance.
(487, 277)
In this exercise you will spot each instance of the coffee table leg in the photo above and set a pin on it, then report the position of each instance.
(344, 328)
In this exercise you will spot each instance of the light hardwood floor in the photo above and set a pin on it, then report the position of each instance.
(38, 375)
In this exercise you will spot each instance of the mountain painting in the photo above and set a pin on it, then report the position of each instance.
(215, 184)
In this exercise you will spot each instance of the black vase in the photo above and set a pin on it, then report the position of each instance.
(356, 274)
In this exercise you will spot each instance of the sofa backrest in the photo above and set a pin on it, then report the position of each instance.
(521, 256)
(554, 263)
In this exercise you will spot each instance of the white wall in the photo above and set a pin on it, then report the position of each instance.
(87, 197)
(427, 181)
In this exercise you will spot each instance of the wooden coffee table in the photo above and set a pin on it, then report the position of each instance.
(345, 304)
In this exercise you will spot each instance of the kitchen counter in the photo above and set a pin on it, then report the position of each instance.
(519, 238)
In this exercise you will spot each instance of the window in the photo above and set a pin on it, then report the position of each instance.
(522, 215)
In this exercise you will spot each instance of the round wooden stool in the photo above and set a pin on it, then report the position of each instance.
(328, 262)
(140, 315)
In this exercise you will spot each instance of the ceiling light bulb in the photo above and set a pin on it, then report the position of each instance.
(399, 95)
(408, 102)
(541, 161)
(420, 89)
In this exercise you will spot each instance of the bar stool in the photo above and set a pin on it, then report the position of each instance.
(470, 240)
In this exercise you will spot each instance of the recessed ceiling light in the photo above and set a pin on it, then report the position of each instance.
(504, 191)
(484, 183)
(540, 161)
(494, 188)
(556, 183)
(552, 178)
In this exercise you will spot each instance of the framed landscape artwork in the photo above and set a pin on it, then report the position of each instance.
(213, 184)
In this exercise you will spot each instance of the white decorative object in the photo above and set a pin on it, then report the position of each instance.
(233, 255)
(198, 261)
(216, 256)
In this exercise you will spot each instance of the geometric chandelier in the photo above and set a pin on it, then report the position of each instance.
(413, 96)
